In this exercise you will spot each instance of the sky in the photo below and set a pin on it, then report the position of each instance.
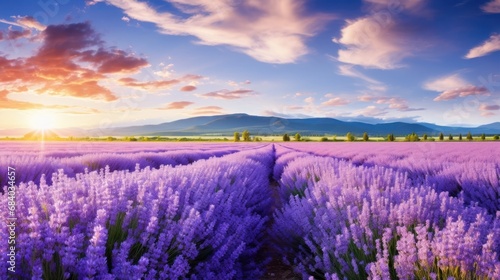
(110, 63)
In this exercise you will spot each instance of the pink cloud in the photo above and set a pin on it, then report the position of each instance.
(230, 94)
(487, 47)
(462, 92)
(208, 110)
(177, 105)
(273, 32)
(492, 7)
(188, 88)
(486, 107)
(336, 101)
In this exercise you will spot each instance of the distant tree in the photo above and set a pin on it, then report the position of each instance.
(133, 139)
(323, 139)
(460, 137)
(236, 137)
(483, 136)
(297, 137)
(412, 137)
(286, 138)
(246, 136)
(390, 137)
(469, 136)
(496, 137)
(450, 137)
(441, 136)
(365, 137)
(425, 137)
(350, 137)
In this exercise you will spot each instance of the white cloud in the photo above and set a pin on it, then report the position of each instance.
(269, 31)
(492, 7)
(487, 47)
(454, 86)
(372, 45)
(126, 19)
(350, 71)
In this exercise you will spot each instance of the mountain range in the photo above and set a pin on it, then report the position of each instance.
(226, 125)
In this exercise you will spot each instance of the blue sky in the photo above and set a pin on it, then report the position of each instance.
(116, 62)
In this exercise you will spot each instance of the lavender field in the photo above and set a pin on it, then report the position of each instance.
(228, 211)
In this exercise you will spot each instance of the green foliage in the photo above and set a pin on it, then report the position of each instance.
(450, 137)
(323, 139)
(111, 138)
(365, 137)
(483, 136)
(460, 137)
(350, 137)
(412, 137)
(390, 137)
(297, 137)
(286, 138)
(441, 136)
(425, 137)
(496, 137)
(246, 136)
(236, 137)
(132, 139)
(469, 136)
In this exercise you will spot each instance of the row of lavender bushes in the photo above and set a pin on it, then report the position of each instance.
(202, 221)
(32, 167)
(340, 220)
(469, 170)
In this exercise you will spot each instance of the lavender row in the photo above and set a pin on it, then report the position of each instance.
(471, 170)
(203, 221)
(71, 149)
(342, 221)
(31, 168)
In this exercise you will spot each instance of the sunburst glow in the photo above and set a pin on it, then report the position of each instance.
(42, 120)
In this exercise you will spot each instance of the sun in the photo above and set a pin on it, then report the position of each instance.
(42, 120)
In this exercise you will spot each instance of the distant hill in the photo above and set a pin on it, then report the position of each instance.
(228, 124)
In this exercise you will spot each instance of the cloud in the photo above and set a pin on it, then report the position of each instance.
(208, 110)
(158, 85)
(176, 105)
(492, 7)
(25, 22)
(487, 47)
(30, 22)
(230, 94)
(166, 71)
(7, 103)
(126, 19)
(454, 86)
(397, 103)
(371, 111)
(350, 71)
(188, 88)
(367, 45)
(236, 84)
(71, 61)
(486, 107)
(114, 61)
(268, 31)
(151, 85)
(462, 92)
(336, 101)
(380, 40)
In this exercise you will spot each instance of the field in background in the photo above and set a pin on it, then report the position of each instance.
(333, 210)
